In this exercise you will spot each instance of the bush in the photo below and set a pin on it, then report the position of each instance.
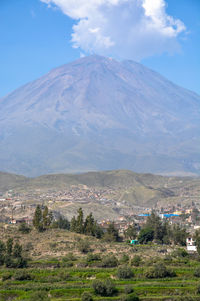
(136, 260)
(83, 246)
(86, 297)
(131, 297)
(180, 253)
(124, 258)
(128, 289)
(69, 257)
(104, 288)
(159, 270)
(39, 296)
(198, 289)
(6, 276)
(22, 275)
(93, 257)
(19, 263)
(125, 272)
(24, 228)
(197, 272)
(109, 261)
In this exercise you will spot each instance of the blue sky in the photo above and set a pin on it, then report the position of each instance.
(35, 38)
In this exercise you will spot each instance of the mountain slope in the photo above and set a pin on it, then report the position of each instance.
(96, 114)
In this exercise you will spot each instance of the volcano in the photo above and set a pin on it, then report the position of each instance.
(99, 114)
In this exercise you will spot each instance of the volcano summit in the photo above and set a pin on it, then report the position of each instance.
(99, 114)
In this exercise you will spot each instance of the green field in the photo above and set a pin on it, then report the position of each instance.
(68, 283)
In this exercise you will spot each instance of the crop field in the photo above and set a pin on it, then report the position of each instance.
(68, 278)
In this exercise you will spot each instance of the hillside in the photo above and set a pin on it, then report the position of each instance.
(100, 114)
(108, 194)
(10, 181)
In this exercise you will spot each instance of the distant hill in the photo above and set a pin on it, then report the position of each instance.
(100, 114)
(138, 189)
(10, 181)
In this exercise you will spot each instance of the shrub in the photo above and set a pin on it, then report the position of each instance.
(6, 276)
(159, 270)
(39, 296)
(86, 297)
(29, 247)
(125, 272)
(15, 262)
(124, 258)
(136, 260)
(104, 288)
(24, 228)
(197, 272)
(93, 257)
(109, 261)
(180, 253)
(198, 289)
(84, 246)
(128, 289)
(131, 297)
(69, 257)
(22, 275)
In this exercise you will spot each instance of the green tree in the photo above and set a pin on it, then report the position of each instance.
(37, 219)
(80, 221)
(154, 222)
(47, 217)
(89, 225)
(2, 252)
(179, 235)
(73, 224)
(17, 250)
(86, 296)
(111, 233)
(198, 244)
(24, 228)
(145, 235)
(62, 223)
(131, 232)
(9, 246)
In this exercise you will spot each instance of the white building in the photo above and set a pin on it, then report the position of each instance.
(191, 245)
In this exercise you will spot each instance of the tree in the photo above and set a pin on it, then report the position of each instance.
(198, 244)
(131, 232)
(73, 224)
(179, 235)
(62, 223)
(89, 225)
(111, 233)
(47, 217)
(2, 252)
(86, 296)
(159, 270)
(125, 272)
(13, 255)
(80, 222)
(42, 219)
(37, 219)
(146, 235)
(84, 246)
(104, 288)
(24, 228)
(17, 250)
(154, 222)
(9, 246)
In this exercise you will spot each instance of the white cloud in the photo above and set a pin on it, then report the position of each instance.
(132, 29)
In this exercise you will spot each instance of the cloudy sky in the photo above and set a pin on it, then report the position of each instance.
(38, 35)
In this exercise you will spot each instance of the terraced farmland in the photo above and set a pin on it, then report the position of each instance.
(68, 283)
